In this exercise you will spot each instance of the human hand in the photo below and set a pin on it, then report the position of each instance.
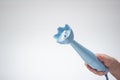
(112, 64)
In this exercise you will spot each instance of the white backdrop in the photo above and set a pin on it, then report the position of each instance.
(28, 50)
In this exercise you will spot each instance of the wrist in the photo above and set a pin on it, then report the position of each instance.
(115, 69)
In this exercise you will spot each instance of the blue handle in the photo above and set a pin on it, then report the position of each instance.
(88, 57)
(65, 36)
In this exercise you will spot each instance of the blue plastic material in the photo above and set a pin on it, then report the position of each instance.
(65, 36)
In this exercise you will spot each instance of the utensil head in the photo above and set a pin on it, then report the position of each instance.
(64, 35)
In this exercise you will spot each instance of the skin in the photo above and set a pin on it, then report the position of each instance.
(111, 63)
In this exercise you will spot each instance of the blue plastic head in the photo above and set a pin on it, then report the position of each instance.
(64, 35)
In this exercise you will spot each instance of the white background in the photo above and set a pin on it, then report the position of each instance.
(28, 50)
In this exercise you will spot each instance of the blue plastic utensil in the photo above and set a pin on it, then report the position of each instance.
(65, 36)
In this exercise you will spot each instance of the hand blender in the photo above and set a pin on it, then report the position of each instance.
(65, 36)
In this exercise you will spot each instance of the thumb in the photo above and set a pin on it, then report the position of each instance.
(104, 59)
